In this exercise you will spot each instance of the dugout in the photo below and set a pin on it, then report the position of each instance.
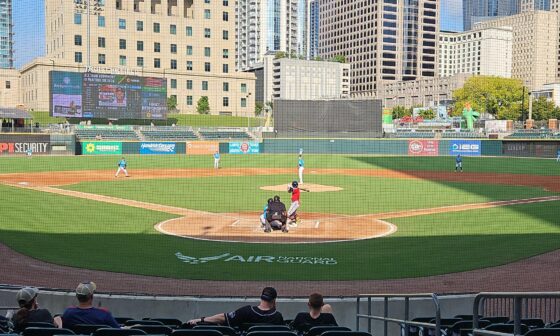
(351, 118)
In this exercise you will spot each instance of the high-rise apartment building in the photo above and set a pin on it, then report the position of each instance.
(389, 40)
(6, 35)
(264, 26)
(482, 10)
(190, 43)
(313, 29)
(529, 5)
(486, 52)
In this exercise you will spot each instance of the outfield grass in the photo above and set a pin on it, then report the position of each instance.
(361, 195)
(95, 235)
(548, 167)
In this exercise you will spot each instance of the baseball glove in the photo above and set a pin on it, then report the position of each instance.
(290, 189)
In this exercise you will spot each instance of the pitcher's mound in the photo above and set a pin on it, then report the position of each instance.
(308, 186)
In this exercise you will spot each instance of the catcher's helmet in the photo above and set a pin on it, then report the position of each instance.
(276, 198)
(269, 201)
(295, 184)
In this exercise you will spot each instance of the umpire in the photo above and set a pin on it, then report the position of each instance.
(276, 216)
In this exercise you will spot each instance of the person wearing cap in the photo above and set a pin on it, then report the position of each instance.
(85, 312)
(320, 314)
(265, 312)
(29, 310)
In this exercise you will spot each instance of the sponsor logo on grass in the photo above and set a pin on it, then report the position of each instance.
(157, 148)
(231, 258)
(96, 148)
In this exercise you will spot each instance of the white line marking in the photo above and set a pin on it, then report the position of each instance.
(317, 224)
(235, 223)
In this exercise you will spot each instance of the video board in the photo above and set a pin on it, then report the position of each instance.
(96, 95)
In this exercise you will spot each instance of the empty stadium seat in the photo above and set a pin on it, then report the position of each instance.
(196, 332)
(39, 325)
(465, 326)
(496, 319)
(170, 322)
(466, 317)
(272, 333)
(319, 330)
(532, 323)
(225, 330)
(122, 320)
(268, 328)
(155, 329)
(87, 329)
(37, 331)
(142, 322)
(345, 333)
(505, 328)
(544, 332)
(118, 332)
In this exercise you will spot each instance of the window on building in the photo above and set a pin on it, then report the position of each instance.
(140, 45)
(122, 24)
(139, 25)
(78, 57)
(207, 2)
(206, 51)
(189, 100)
(101, 21)
(225, 3)
(225, 86)
(189, 84)
(157, 47)
(207, 66)
(189, 50)
(225, 53)
(243, 87)
(204, 85)
(78, 40)
(173, 48)
(173, 83)
(225, 68)
(157, 63)
(156, 27)
(173, 64)
(173, 29)
(122, 44)
(207, 14)
(101, 42)
(140, 62)
(118, 4)
(189, 30)
(225, 35)
(122, 60)
(189, 65)
(8, 85)
(101, 59)
(78, 18)
(225, 16)
(243, 102)
(225, 101)
(207, 33)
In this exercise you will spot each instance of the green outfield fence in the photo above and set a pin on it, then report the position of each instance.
(61, 144)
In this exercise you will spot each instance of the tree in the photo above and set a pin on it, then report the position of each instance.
(317, 58)
(339, 59)
(427, 114)
(498, 96)
(400, 111)
(202, 106)
(258, 108)
(543, 109)
(172, 103)
(280, 54)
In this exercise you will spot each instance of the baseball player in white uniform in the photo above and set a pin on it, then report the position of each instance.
(300, 169)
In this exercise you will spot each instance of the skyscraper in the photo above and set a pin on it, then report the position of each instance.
(6, 35)
(268, 26)
(313, 29)
(529, 5)
(482, 10)
(390, 40)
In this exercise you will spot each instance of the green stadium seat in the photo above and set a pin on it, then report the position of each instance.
(118, 332)
(37, 331)
(225, 330)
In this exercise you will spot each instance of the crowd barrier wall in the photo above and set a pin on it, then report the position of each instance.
(18, 144)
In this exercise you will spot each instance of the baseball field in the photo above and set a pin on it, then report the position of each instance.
(366, 217)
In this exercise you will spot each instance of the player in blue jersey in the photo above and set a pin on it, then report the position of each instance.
(459, 163)
(217, 160)
(122, 167)
(300, 168)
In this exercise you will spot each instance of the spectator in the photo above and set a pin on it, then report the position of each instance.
(29, 310)
(265, 312)
(320, 314)
(85, 312)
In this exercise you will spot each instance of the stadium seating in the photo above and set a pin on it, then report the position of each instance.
(118, 332)
(168, 134)
(544, 332)
(106, 134)
(122, 320)
(170, 322)
(268, 328)
(142, 322)
(496, 319)
(345, 333)
(155, 329)
(462, 135)
(272, 333)
(37, 331)
(319, 330)
(39, 325)
(532, 323)
(224, 135)
(505, 328)
(87, 329)
(225, 330)
(196, 332)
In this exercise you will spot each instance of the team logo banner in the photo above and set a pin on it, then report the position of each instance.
(158, 148)
(465, 147)
(244, 148)
(423, 147)
(101, 148)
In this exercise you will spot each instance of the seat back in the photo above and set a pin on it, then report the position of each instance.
(345, 333)
(496, 319)
(532, 323)
(142, 322)
(87, 329)
(505, 328)
(155, 329)
(272, 333)
(268, 328)
(196, 332)
(319, 330)
(118, 332)
(38, 331)
(39, 325)
(170, 322)
(122, 320)
(544, 332)
(225, 330)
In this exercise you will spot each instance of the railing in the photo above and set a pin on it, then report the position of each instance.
(544, 305)
(386, 319)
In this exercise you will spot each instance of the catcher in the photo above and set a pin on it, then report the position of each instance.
(276, 216)
(121, 167)
(292, 212)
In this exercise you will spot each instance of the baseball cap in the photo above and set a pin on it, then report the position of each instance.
(86, 288)
(269, 294)
(26, 294)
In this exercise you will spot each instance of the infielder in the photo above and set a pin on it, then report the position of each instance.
(300, 168)
(292, 211)
(459, 163)
(121, 167)
(217, 160)
(558, 155)
(29, 153)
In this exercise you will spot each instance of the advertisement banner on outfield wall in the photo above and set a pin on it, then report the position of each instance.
(202, 147)
(101, 148)
(11, 144)
(423, 147)
(465, 147)
(244, 148)
(160, 148)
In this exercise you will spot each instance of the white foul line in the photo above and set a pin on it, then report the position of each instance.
(317, 224)
(235, 223)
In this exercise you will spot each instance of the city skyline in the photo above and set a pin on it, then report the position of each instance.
(29, 27)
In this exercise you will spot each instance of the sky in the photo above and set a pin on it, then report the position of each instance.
(29, 26)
